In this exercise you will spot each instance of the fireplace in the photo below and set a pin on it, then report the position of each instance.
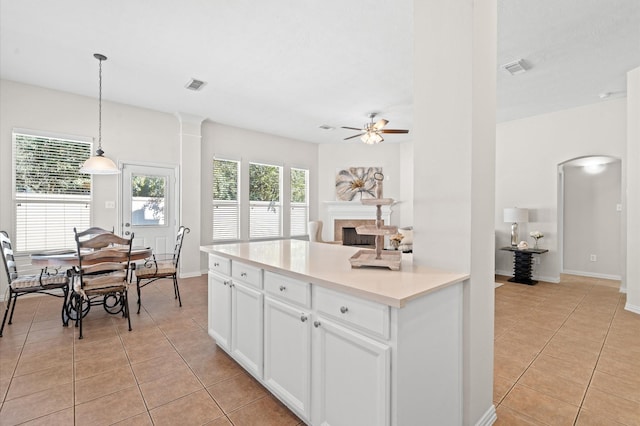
(351, 238)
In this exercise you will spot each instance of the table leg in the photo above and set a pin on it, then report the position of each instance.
(522, 265)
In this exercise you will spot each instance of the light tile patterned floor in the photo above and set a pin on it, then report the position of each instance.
(167, 371)
(566, 354)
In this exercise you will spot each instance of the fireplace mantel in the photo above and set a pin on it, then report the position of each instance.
(354, 210)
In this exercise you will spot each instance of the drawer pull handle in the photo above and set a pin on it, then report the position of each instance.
(344, 309)
(316, 324)
(303, 318)
(282, 288)
(243, 274)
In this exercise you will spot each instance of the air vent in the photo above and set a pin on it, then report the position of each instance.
(326, 127)
(194, 84)
(516, 67)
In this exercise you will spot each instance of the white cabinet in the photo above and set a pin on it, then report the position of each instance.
(219, 313)
(287, 354)
(246, 327)
(351, 377)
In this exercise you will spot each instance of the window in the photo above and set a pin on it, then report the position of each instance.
(299, 201)
(51, 196)
(148, 195)
(265, 212)
(226, 206)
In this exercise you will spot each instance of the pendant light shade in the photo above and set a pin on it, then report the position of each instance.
(99, 164)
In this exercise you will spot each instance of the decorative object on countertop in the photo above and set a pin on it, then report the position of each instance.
(522, 245)
(406, 245)
(395, 239)
(536, 235)
(356, 181)
(377, 257)
(514, 216)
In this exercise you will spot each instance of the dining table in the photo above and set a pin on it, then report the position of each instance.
(59, 259)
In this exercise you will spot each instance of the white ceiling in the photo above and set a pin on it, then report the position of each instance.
(287, 66)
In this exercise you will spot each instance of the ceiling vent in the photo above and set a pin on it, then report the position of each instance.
(326, 127)
(516, 67)
(194, 84)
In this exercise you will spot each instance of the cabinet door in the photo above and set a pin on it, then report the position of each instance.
(287, 354)
(246, 327)
(219, 314)
(351, 377)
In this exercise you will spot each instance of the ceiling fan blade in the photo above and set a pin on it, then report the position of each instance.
(352, 128)
(393, 131)
(380, 124)
(354, 136)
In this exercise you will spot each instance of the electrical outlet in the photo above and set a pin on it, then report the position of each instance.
(593, 258)
(618, 207)
(109, 204)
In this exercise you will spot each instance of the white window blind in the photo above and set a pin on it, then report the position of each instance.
(51, 196)
(265, 193)
(299, 180)
(226, 206)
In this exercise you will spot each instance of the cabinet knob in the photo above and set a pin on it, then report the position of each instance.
(344, 309)
(243, 274)
(216, 264)
(282, 288)
(225, 283)
(316, 324)
(303, 318)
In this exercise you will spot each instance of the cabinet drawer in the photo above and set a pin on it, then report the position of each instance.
(288, 289)
(247, 274)
(363, 314)
(219, 264)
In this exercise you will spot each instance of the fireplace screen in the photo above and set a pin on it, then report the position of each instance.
(351, 238)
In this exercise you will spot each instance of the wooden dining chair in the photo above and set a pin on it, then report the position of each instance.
(101, 276)
(161, 266)
(46, 282)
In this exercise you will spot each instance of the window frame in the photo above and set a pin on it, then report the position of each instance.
(46, 198)
(263, 203)
(294, 205)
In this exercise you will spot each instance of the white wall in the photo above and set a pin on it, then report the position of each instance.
(528, 152)
(592, 222)
(233, 143)
(631, 197)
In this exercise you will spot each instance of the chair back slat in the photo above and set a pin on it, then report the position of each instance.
(7, 257)
(108, 253)
(178, 247)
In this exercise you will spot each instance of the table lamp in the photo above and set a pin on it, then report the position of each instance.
(514, 216)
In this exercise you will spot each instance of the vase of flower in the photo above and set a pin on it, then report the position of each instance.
(536, 235)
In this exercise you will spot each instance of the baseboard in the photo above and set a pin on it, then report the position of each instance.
(498, 285)
(190, 274)
(632, 308)
(593, 275)
(488, 418)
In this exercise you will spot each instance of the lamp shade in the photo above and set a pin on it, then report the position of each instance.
(99, 165)
(516, 215)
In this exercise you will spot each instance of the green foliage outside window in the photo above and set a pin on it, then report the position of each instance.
(147, 186)
(264, 183)
(298, 186)
(225, 180)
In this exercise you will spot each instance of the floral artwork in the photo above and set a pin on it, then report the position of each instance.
(357, 183)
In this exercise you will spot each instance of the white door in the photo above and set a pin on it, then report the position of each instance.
(219, 317)
(149, 206)
(246, 327)
(287, 354)
(352, 376)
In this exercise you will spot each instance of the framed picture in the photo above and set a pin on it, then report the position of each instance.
(357, 183)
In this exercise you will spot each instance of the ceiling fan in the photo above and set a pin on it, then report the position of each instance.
(372, 132)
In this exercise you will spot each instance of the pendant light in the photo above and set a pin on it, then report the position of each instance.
(99, 164)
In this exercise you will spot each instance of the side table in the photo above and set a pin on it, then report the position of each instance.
(522, 262)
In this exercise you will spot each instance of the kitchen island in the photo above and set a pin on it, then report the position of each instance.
(340, 345)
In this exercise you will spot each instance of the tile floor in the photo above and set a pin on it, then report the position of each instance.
(167, 371)
(565, 353)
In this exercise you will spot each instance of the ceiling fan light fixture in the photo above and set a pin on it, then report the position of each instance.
(371, 138)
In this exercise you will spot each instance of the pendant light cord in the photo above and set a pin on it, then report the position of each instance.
(100, 58)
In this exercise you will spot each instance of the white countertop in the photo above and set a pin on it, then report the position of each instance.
(328, 265)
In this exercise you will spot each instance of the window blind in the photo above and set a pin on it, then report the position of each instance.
(265, 193)
(51, 196)
(226, 206)
(299, 202)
